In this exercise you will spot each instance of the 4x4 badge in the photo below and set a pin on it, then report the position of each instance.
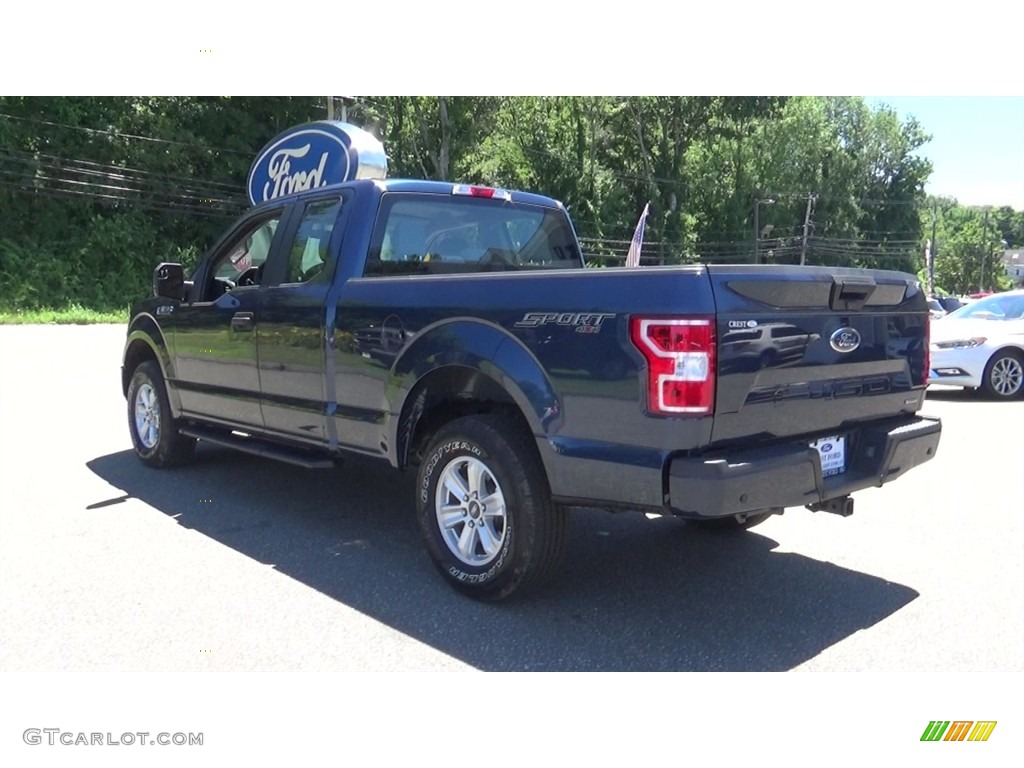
(584, 322)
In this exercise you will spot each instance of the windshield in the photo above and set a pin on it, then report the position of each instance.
(999, 307)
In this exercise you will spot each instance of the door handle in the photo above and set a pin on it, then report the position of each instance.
(242, 321)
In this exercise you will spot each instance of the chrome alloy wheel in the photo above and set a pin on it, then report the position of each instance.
(471, 513)
(1007, 376)
(147, 416)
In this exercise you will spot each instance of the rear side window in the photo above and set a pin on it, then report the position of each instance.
(308, 255)
(440, 234)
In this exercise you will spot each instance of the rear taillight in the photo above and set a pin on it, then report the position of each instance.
(680, 355)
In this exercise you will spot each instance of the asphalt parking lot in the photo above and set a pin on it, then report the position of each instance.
(240, 563)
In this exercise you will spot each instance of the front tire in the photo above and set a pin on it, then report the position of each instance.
(484, 508)
(155, 436)
(1004, 375)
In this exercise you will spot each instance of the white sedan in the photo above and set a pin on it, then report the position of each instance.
(981, 345)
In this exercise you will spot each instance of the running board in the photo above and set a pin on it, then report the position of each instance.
(256, 447)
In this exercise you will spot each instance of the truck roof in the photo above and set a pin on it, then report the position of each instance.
(420, 186)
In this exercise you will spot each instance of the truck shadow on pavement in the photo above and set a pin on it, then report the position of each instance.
(634, 594)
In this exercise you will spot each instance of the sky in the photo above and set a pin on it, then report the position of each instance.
(977, 146)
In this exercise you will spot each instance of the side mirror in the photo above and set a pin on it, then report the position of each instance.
(169, 281)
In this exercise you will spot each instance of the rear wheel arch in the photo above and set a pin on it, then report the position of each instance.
(485, 362)
(444, 395)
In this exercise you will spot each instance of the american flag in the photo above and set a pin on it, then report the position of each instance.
(633, 257)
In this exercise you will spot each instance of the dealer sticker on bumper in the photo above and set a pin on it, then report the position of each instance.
(833, 454)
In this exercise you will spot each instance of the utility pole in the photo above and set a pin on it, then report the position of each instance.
(934, 250)
(807, 220)
(984, 253)
(330, 107)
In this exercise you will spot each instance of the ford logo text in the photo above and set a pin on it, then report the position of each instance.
(844, 340)
(315, 155)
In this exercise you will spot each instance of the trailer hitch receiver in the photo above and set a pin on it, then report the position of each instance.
(842, 506)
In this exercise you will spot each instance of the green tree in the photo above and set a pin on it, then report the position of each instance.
(95, 190)
(970, 249)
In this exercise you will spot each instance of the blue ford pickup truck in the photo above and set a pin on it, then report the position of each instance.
(455, 330)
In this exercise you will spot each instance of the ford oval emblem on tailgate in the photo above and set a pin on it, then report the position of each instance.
(844, 340)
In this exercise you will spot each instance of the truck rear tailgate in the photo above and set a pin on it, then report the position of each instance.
(808, 350)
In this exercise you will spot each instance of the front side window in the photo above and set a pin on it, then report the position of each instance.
(241, 263)
(432, 233)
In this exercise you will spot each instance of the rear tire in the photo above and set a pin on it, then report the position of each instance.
(155, 436)
(484, 508)
(1004, 375)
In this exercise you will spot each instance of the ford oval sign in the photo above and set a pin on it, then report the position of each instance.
(844, 340)
(314, 155)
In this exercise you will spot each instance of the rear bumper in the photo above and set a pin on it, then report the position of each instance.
(789, 474)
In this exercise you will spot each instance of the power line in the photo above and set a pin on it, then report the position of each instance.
(58, 193)
(42, 181)
(54, 172)
(45, 170)
(119, 169)
(109, 192)
(112, 132)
